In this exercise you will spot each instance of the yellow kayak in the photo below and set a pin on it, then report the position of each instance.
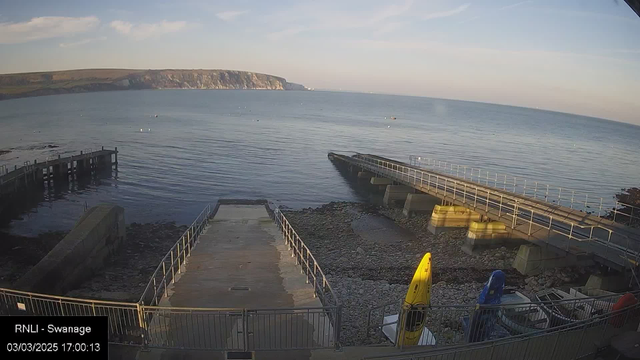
(416, 302)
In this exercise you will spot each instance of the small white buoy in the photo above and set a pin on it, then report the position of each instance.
(140, 130)
(149, 130)
(156, 115)
(388, 126)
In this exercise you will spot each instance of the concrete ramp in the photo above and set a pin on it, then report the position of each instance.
(242, 290)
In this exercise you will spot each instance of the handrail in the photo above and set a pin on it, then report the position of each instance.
(505, 206)
(59, 298)
(312, 270)
(301, 252)
(176, 258)
(548, 193)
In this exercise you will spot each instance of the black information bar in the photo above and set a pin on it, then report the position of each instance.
(40, 337)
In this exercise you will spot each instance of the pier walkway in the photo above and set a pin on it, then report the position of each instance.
(563, 229)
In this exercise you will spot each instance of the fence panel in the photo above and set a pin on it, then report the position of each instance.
(124, 324)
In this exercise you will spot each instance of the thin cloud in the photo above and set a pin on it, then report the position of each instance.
(230, 15)
(514, 5)
(81, 42)
(45, 28)
(313, 16)
(491, 12)
(442, 14)
(144, 31)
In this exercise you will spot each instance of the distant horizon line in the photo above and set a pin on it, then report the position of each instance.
(327, 89)
(473, 101)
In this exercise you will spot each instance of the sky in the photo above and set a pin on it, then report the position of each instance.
(575, 56)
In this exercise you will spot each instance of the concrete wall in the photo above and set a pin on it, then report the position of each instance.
(94, 239)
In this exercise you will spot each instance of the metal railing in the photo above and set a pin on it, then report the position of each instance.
(536, 223)
(311, 268)
(239, 329)
(460, 324)
(573, 340)
(124, 318)
(172, 264)
(572, 199)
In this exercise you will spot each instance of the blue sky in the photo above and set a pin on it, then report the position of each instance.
(577, 56)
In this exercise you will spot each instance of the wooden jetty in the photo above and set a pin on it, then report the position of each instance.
(60, 170)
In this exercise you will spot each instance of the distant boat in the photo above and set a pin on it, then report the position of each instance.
(522, 317)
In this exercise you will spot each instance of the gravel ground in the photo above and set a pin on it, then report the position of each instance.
(125, 277)
(370, 253)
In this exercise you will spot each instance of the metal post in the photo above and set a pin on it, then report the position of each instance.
(178, 255)
(164, 276)
(524, 191)
(530, 222)
(173, 274)
(559, 193)
(475, 199)
(573, 193)
(500, 211)
(504, 186)
(495, 182)
(514, 184)
(600, 208)
(464, 194)
(141, 322)
(486, 209)
(586, 202)
(184, 252)
(571, 232)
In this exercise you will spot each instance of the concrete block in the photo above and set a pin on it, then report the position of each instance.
(364, 175)
(395, 194)
(447, 217)
(611, 282)
(419, 203)
(532, 259)
(381, 181)
(484, 235)
(94, 239)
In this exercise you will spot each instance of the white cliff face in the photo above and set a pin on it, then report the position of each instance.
(206, 79)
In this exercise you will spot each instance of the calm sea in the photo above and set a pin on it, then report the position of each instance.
(206, 145)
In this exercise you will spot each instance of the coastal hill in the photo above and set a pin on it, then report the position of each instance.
(87, 80)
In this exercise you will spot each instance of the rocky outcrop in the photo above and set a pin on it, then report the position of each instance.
(74, 81)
